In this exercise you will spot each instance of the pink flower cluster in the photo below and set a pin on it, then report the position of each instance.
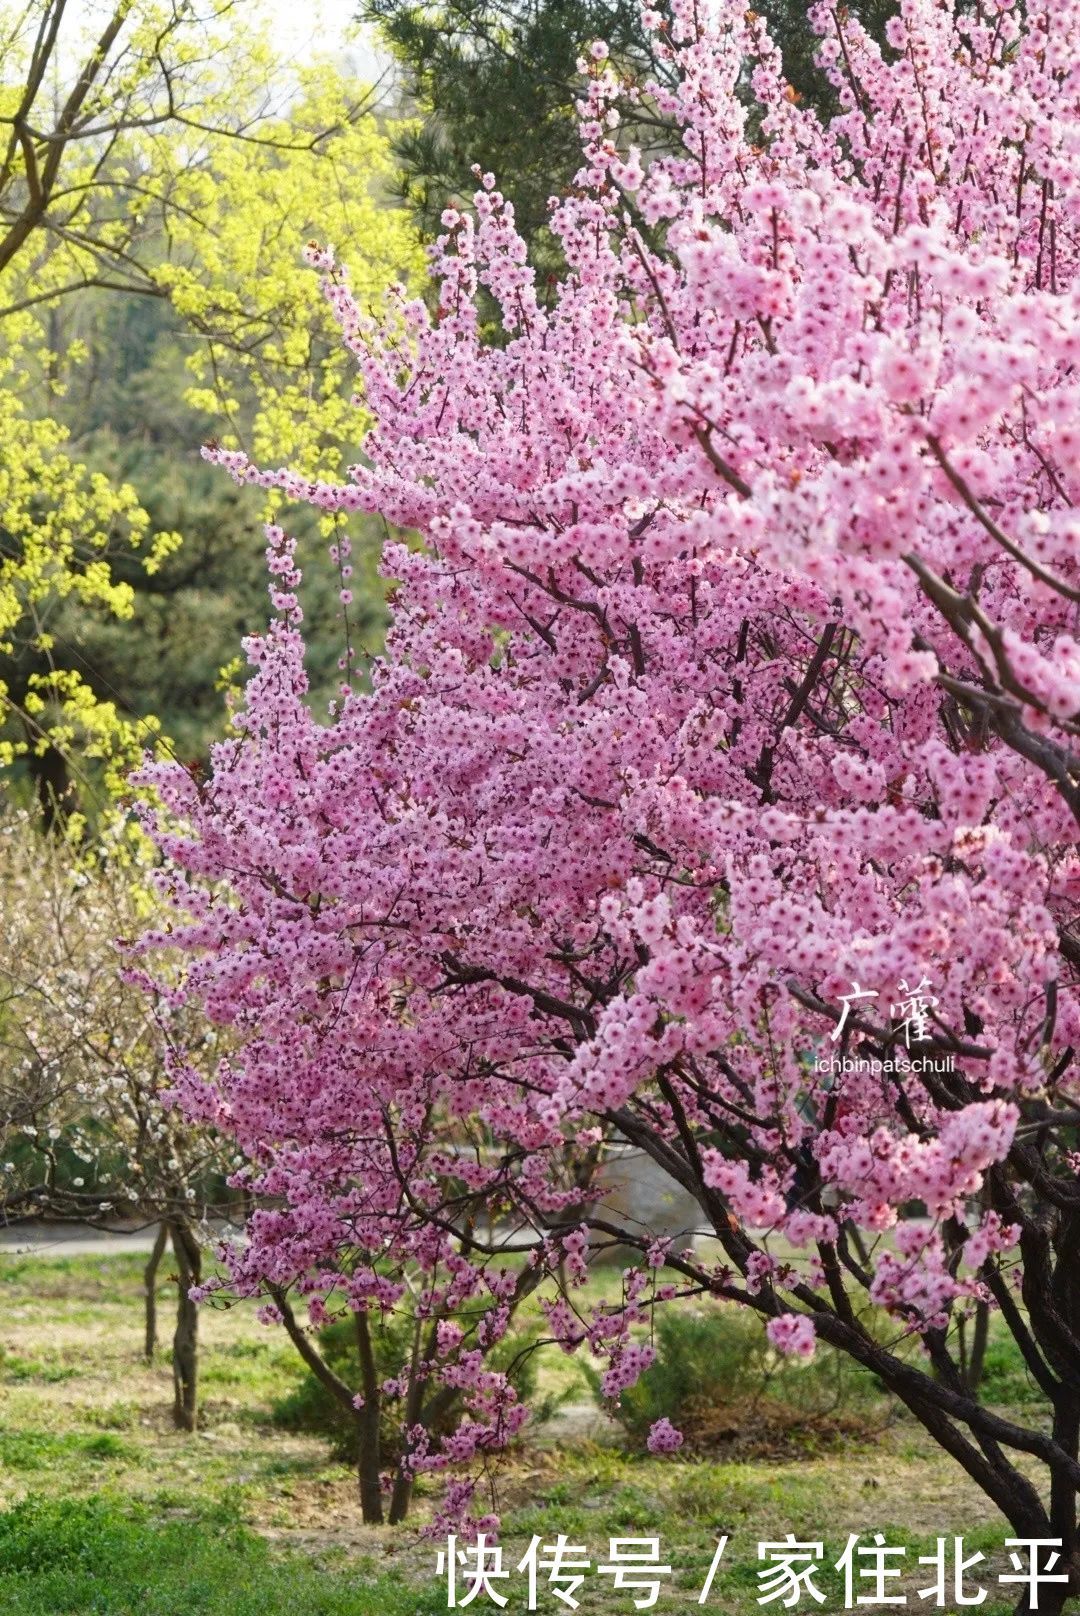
(792, 1333)
(663, 1437)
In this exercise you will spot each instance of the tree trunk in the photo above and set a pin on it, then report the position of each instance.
(1063, 1499)
(1053, 1597)
(428, 1415)
(150, 1273)
(186, 1337)
(52, 785)
(368, 1427)
(979, 1337)
(366, 1419)
(401, 1493)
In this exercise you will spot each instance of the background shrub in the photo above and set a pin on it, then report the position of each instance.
(310, 1407)
(719, 1381)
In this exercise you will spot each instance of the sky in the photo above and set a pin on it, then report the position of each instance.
(307, 26)
(301, 27)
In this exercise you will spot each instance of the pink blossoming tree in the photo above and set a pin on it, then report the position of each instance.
(719, 788)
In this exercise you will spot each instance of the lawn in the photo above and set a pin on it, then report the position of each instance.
(110, 1512)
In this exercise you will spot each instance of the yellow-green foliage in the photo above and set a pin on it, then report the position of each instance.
(58, 524)
(236, 273)
(193, 168)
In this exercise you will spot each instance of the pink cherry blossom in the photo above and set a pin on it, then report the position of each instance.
(717, 792)
(663, 1437)
(792, 1333)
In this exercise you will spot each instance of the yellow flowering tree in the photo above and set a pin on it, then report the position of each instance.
(148, 152)
(235, 271)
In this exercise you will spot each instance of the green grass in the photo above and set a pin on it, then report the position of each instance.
(38, 1450)
(92, 1557)
(1006, 1378)
(48, 1371)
